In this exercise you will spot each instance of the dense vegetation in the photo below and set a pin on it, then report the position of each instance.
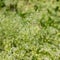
(29, 29)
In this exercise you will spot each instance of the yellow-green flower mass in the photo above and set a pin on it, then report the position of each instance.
(29, 29)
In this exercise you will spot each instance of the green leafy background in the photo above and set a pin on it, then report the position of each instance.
(29, 29)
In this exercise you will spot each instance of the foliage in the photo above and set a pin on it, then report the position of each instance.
(29, 29)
